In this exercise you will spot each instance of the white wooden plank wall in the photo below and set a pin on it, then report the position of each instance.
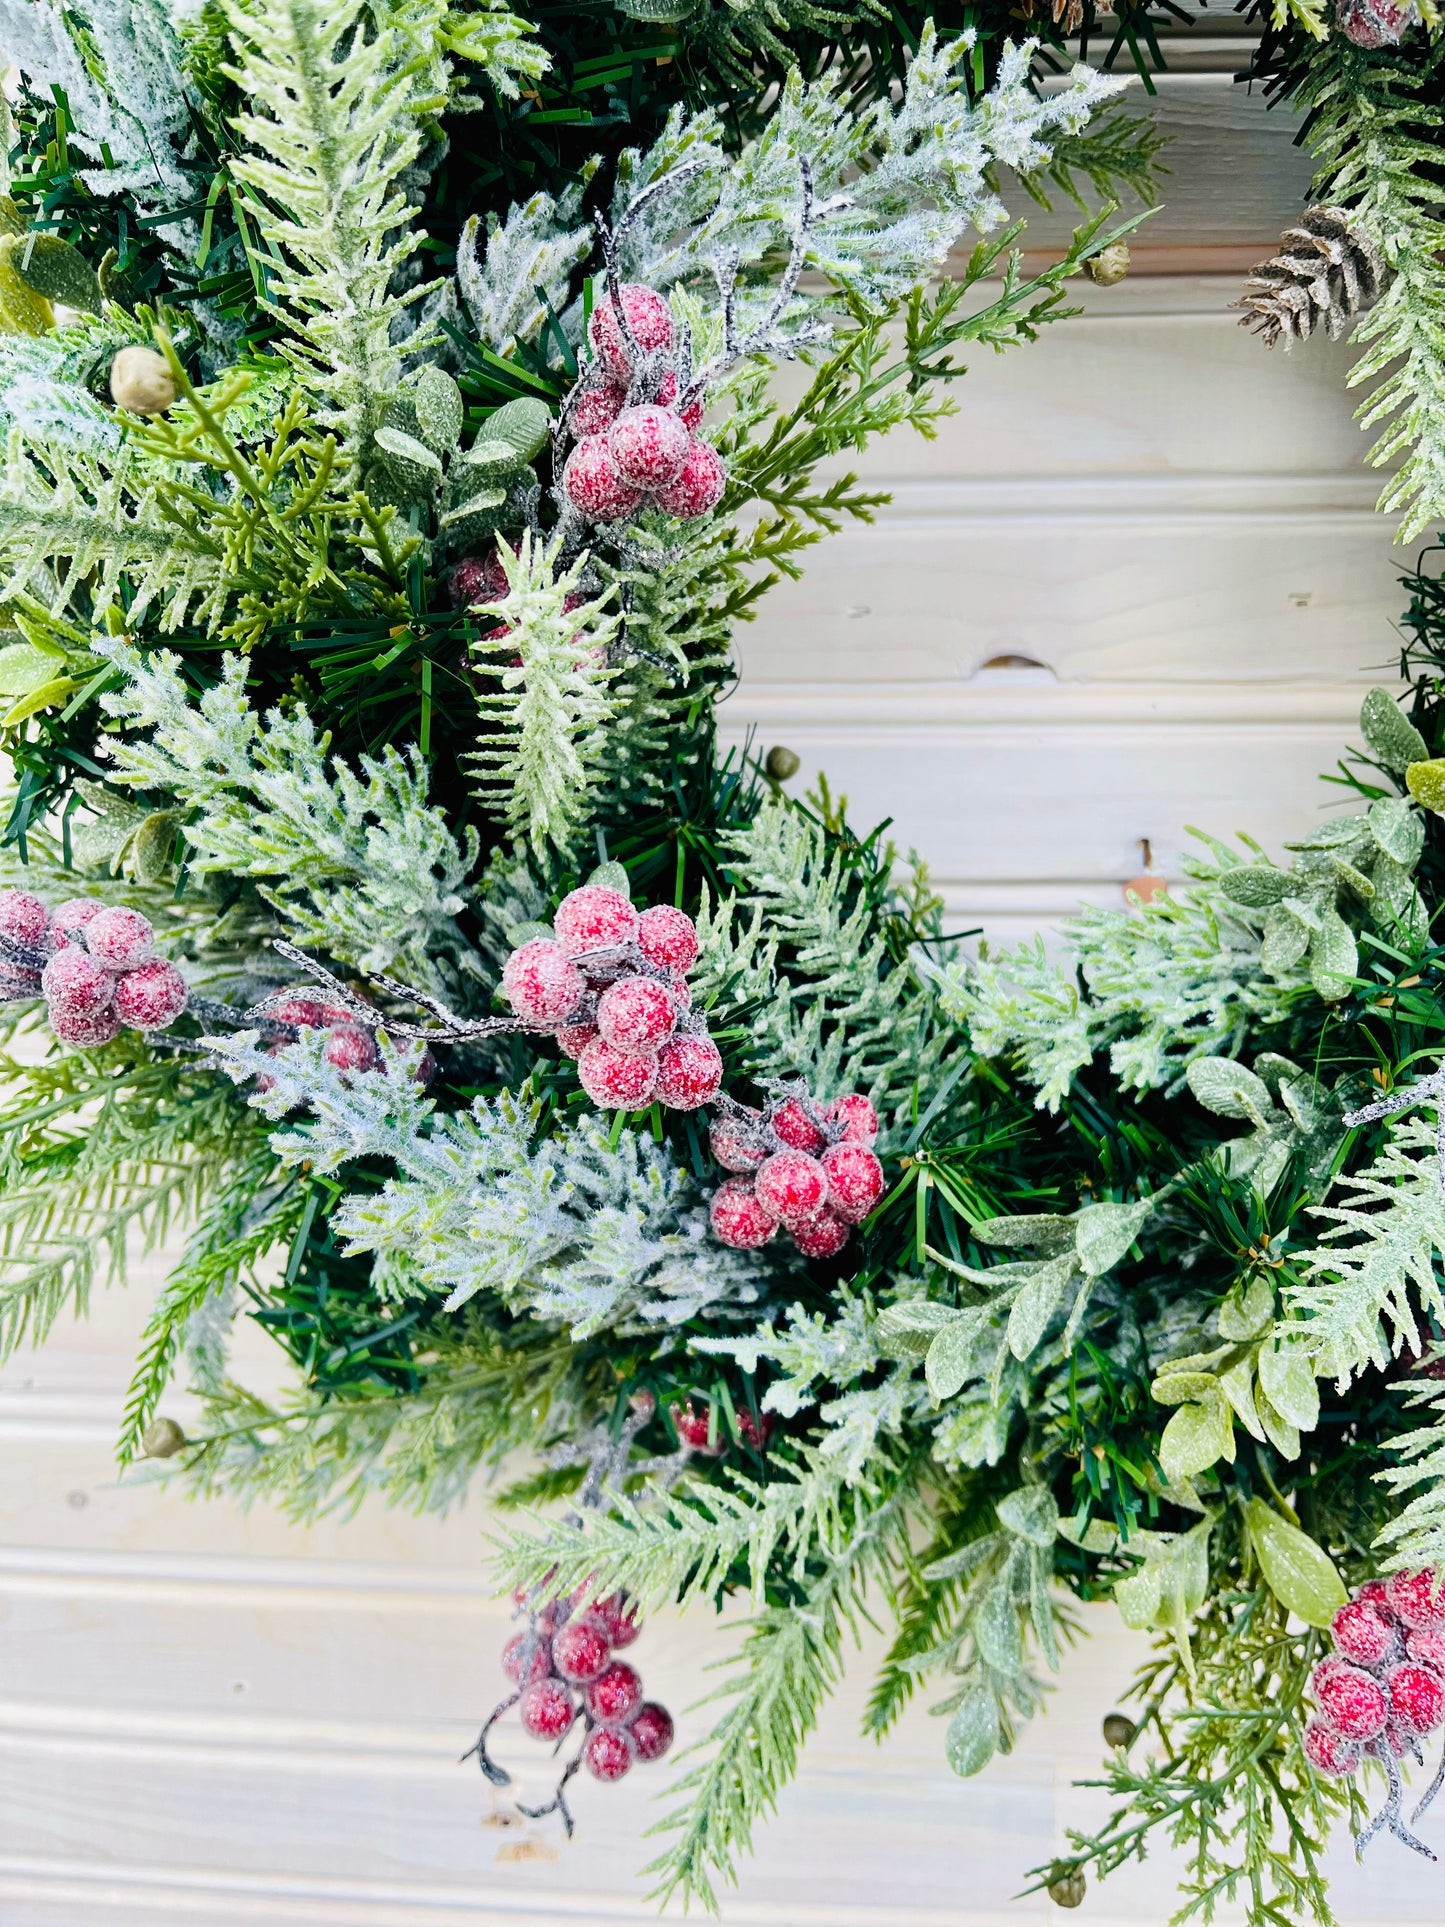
(221, 1719)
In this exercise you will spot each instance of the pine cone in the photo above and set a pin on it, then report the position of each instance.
(1327, 269)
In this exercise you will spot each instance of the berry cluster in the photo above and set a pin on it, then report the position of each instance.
(807, 1167)
(564, 1667)
(635, 445)
(611, 986)
(1382, 1689)
(94, 964)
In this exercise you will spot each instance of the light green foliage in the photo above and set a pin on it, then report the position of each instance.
(1415, 1537)
(539, 245)
(361, 866)
(492, 38)
(43, 389)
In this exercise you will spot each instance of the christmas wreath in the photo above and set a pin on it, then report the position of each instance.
(392, 449)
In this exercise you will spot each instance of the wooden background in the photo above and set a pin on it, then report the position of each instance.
(221, 1719)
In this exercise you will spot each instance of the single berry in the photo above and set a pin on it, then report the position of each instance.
(617, 1080)
(694, 1428)
(1329, 1752)
(698, 485)
(76, 984)
(820, 1237)
(542, 984)
(737, 1142)
(87, 1030)
(1376, 1593)
(1397, 1740)
(1426, 1646)
(581, 1649)
(855, 1180)
(151, 996)
(120, 938)
(755, 1431)
(793, 1186)
(527, 1657)
(573, 1039)
(680, 988)
(689, 1073)
(596, 408)
(651, 1731)
(1417, 1697)
(72, 916)
(649, 446)
(477, 579)
(301, 1013)
(667, 937)
(1415, 1597)
(691, 416)
(350, 1048)
(615, 1695)
(617, 1617)
(637, 1015)
(547, 1710)
(858, 1115)
(1362, 1634)
(607, 1753)
(649, 320)
(796, 1129)
(739, 1217)
(23, 917)
(593, 918)
(1352, 1702)
(594, 485)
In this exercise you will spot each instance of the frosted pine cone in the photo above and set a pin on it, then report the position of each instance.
(1327, 269)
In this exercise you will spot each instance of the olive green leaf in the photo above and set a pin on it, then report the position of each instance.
(1169, 1588)
(439, 408)
(1104, 1233)
(996, 1629)
(1286, 939)
(972, 1738)
(1299, 1573)
(1245, 1314)
(1334, 959)
(1394, 740)
(1426, 783)
(1044, 1229)
(1398, 830)
(1195, 1438)
(1290, 1386)
(906, 1331)
(1037, 1303)
(52, 267)
(1229, 1090)
(1255, 886)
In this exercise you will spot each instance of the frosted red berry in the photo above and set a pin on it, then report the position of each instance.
(617, 1617)
(616, 1693)
(1329, 1752)
(636, 1014)
(71, 917)
(855, 1180)
(739, 1217)
(594, 485)
(120, 938)
(527, 1657)
(667, 937)
(617, 1080)
(694, 1426)
(596, 408)
(737, 1142)
(86, 1029)
(608, 1753)
(1363, 1634)
(151, 996)
(1417, 1696)
(649, 320)
(593, 918)
(542, 984)
(1415, 1597)
(573, 1039)
(76, 984)
(478, 579)
(858, 1115)
(1376, 1593)
(649, 445)
(691, 416)
(547, 1710)
(792, 1185)
(755, 1431)
(23, 917)
(698, 485)
(1352, 1702)
(581, 1649)
(350, 1048)
(820, 1237)
(689, 1072)
(301, 1013)
(1426, 1646)
(651, 1731)
(792, 1124)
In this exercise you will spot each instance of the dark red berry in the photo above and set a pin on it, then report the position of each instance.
(527, 1657)
(792, 1185)
(1328, 1752)
(739, 1217)
(1362, 1634)
(593, 918)
(636, 1014)
(855, 1180)
(580, 1650)
(350, 1048)
(796, 1129)
(651, 1731)
(1352, 1702)
(1416, 1597)
(689, 1073)
(608, 1752)
(820, 1237)
(858, 1115)
(23, 917)
(1426, 1646)
(667, 937)
(737, 1142)
(547, 1709)
(616, 1693)
(120, 938)
(151, 996)
(698, 485)
(616, 1616)
(542, 984)
(693, 1428)
(617, 1080)
(1417, 1697)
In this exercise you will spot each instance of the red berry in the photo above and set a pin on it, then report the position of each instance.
(616, 1616)
(302, 1013)
(151, 996)
(820, 1237)
(23, 917)
(350, 1048)
(858, 1115)
(797, 1130)
(76, 984)
(547, 1710)
(651, 1731)
(73, 915)
(1395, 1739)
(667, 937)
(1417, 1697)
(649, 445)
(527, 1657)
(617, 1080)
(698, 486)
(594, 485)
(737, 1142)
(1376, 1593)
(1352, 1702)
(739, 1217)
(607, 1753)
(667, 395)
(1416, 1598)
(87, 1030)
(648, 317)
(581, 1649)
(1362, 1634)
(793, 1186)
(1426, 1646)
(120, 938)
(596, 408)
(855, 1180)
(574, 1039)
(755, 1431)
(542, 984)
(1329, 1752)
(689, 1073)
(680, 988)
(616, 1693)
(635, 1014)
(694, 1428)
(593, 918)
(478, 579)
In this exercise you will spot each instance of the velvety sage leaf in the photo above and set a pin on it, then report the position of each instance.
(1229, 1090)
(1197, 1437)
(523, 425)
(1037, 1303)
(1237, 1384)
(1030, 1513)
(1334, 958)
(972, 1738)
(1334, 835)
(1276, 1070)
(1245, 1314)
(1283, 1436)
(1104, 1233)
(907, 1331)
(1392, 738)
(1177, 1386)
(1286, 939)
(950, 1356)
(1290, 1386)
(1426, 783)
(1254, 886)
(1299, 1573)
(520, 933)
(52, 267)
(153, 847)
(996, 1629)
(1298, 1100)
(1398, 830)
(409, 462)
(1042, 1229)
(1354, 880)
(954, 1565)
(439, 408)
(612, 876)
